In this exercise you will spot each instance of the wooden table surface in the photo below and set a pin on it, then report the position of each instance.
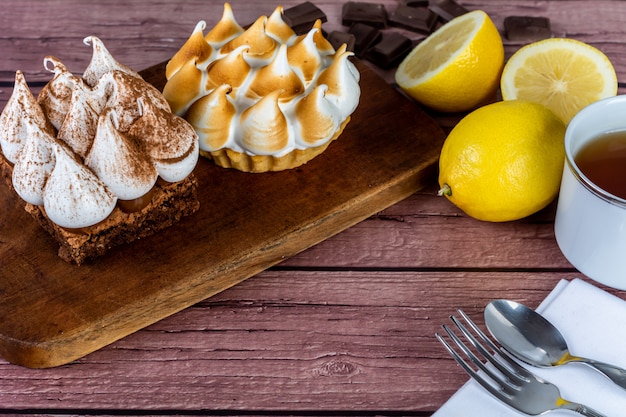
(343, 328)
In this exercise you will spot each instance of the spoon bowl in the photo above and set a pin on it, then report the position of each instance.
(521, 330)
(531, 338)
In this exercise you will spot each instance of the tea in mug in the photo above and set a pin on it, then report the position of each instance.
(603, 161)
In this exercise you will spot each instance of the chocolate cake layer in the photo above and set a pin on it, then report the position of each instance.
(169, 204)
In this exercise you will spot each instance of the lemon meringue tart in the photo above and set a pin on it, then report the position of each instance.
(99, 159)
(262, 98)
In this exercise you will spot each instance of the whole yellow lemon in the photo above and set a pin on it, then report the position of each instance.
(503, 161)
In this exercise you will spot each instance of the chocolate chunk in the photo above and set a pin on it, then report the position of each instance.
(302, 16)
(372, 14)
(447, 9)
(527, 28)
(417, 19)
(337, 39)
(392, 48)
(365, 36)
(414, 3)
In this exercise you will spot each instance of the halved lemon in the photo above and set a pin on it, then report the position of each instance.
(458, 67)
(564, 75)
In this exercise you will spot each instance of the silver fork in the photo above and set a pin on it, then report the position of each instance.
(509, 382)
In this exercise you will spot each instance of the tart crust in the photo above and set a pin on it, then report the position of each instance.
(228, 158)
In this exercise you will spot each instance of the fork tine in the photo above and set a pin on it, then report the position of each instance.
(495, 391)
(513, 377)
(506, 379)
(513, 366)
(506, 383)
(476, 329)
(468, 353)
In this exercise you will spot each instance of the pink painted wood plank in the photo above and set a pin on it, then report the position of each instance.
(345, 326)
(425, 231)
(142, 36)
(286, 340)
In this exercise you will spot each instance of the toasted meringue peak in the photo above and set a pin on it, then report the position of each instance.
(20, 112)
(264, 127)
(119, 161)
(231, 69)
(74, 197)
(278, 75)
(54, 98)
(342, 80)
(212, 118)
(276, 27)
(317, 117)
(261, 46)
(323, 45)
(196, 48)
(268, 93)
(225, 30)
(31, 171)
(304, 57)
(342, 50)
(102, 61)
(185, 86)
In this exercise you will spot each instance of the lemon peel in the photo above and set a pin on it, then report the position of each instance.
(503, 161)
(563, 74)
(458, 67)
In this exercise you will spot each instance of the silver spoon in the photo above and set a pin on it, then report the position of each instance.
(531, 338)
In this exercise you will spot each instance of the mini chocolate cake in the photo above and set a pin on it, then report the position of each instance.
(98, 160)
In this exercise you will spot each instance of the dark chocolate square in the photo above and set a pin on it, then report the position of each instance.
(365, 36)
(302, 16)
(373, 14)
(417, 19)
(414, 3)
(527, 28)
(447, 9)
(337, 38)
(391, 49)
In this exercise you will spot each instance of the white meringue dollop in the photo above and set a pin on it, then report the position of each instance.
(56, 95)
(119, 161)
(21, 113)
(32, 169)
(74, 196)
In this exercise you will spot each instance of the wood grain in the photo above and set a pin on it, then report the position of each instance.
(425, 231)
(303, 335)
(246, 223)
(343, 328)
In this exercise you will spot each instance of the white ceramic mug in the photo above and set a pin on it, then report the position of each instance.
(590, 225)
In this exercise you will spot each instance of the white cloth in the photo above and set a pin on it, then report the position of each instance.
(593, 323)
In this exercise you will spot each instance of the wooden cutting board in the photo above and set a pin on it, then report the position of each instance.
(52, 312)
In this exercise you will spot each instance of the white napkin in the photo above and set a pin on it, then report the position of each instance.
(594, 324)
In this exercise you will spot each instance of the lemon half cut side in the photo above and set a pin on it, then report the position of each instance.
(458, 67)
(563, 74)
